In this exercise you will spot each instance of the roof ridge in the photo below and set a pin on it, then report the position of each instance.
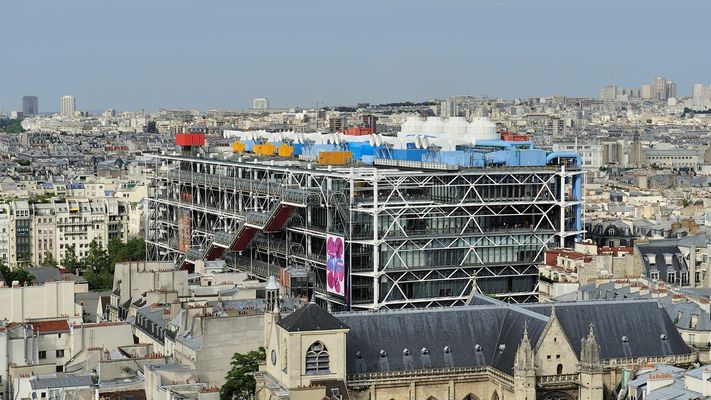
(418, 310)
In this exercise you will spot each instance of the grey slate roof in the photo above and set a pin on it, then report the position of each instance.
(656, 249)
(44, 274)
(63, 381)
(430, 329)
(489, 333)
(680, 313)
(641, 321)
(311, 317)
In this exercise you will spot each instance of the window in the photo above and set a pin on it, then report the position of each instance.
(559, 369)
(317, 360)
(60, 353)
(42, 355)
(671, 277)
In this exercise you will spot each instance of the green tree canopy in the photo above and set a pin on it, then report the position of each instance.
(19, 274)
(97, 267)
(239, 382)
(71, 261)
(48, 260)
(11, 125)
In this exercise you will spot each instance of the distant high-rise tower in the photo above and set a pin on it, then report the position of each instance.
(260, 104)
(609, 92)
(662, 89)
(635, 156)
(30, 106)
(68, 106)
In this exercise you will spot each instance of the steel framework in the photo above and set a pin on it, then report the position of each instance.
(414, 237)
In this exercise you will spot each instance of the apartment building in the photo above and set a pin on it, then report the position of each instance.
(30, 232)
(4, 232)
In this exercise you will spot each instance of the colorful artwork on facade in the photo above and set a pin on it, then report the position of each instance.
(335, 265)
(184, 229)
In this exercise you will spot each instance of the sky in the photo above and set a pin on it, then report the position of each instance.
(150, 54)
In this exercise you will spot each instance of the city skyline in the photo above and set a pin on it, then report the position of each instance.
(404, 51)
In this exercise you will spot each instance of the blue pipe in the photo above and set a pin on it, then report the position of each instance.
(577, 195)
(494, 143)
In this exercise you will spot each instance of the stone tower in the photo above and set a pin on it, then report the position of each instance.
(525, 369)
(590, 369)
(272, 310)
(635, 158)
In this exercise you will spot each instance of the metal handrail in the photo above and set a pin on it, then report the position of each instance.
(256, 218)
(291, 194)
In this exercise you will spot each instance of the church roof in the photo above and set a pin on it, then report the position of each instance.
(489, 332)
(642, 322)
(311, 317)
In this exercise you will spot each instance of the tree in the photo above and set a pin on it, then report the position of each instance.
(136, 249)
(99, 267)
(239, 382)
(118, 250)
(11, 125)
(132, 250)
(71, 261)
(48, 260)
(18, 274)
(97, 258)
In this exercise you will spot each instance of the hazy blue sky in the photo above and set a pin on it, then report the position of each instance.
(134, 54)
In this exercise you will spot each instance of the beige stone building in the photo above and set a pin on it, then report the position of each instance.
(49, 300)
(485, 351)
(133, 279)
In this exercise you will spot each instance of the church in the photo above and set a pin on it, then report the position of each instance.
(487, 350)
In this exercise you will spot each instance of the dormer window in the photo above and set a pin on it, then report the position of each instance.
(317, 360)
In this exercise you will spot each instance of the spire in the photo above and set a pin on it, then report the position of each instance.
(590, 352)
(524, 363)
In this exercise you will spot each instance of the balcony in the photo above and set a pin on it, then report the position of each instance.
(557, 381)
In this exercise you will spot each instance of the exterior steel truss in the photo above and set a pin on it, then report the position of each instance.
(414, 238)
